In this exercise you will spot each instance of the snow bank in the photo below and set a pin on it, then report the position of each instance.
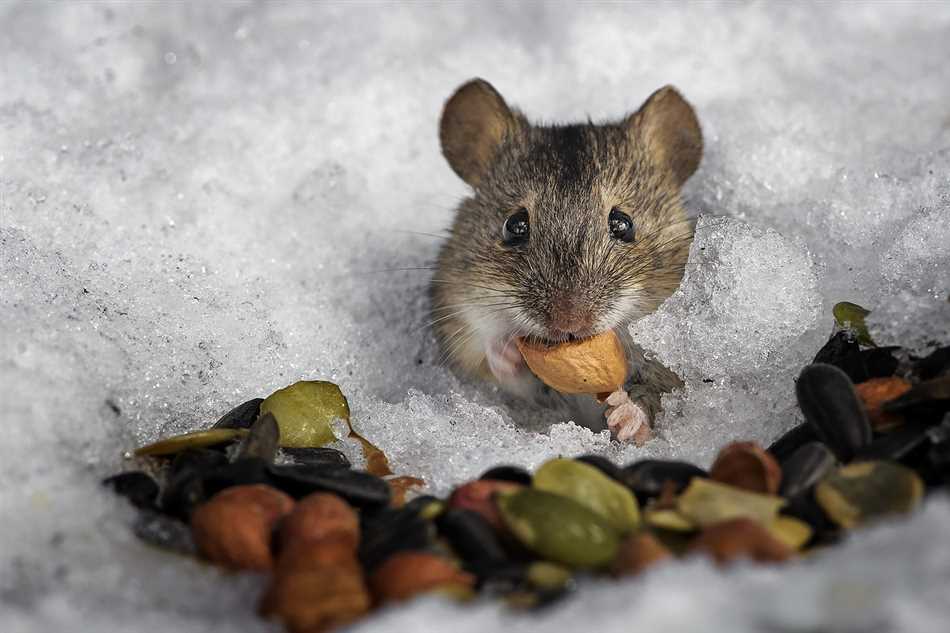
(201, 203)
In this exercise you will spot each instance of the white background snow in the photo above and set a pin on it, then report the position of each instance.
(203, 202)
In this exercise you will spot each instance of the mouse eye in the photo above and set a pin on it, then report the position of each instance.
(621, 226)
(516, 228)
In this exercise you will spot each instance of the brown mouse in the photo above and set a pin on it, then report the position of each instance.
(571, 230)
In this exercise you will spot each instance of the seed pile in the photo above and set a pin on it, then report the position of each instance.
(258, 492)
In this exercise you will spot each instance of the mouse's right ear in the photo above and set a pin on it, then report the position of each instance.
(475, 122)
(666, 124)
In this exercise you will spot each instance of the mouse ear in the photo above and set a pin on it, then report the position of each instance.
(475, 122)
(668, 127)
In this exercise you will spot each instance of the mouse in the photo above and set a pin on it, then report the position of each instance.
(570, 230)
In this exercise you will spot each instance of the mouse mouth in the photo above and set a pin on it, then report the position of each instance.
(553, 339)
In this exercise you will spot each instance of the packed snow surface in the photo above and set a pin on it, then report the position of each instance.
(204, 202)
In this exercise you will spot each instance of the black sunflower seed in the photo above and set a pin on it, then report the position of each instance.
(317, 456)
(925, 402)
(805, 467)
(508, 473)
(185, 480)
(898, 445)
(602, 464)
(843, 352)
(138, 487)
(241, 416)
(262, 440)
(934, 364)
(357, 487)
(792, 440)
(841, 345)
(804, 507)
(473, 539)
(390, 530)
(830, 404)
(647, 477)
(164, 532)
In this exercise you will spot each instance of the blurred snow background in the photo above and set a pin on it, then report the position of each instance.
(203, 202)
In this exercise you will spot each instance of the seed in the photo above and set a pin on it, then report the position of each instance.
(706, 502)
(392, 530)
(851, 316)
(897, 444)
(305, 412)
(590, 487)
(358, 488)
(261, 441)
(840, 346)
(196, 439)
(804, 508)
(317, 456)
(862, 492)
(831, 406)
(233, 529)
(805, 467)
(515, 474)
(548, 576)
(317, 599)
(746, 465)
(477, 496)
(241, 416)
(925, 402)
(400, 486)
(875, 392)
(164, 532)
(740, 538)
(139, 488)
(426, 506)
(639, 552)
(934, 364)
(319, 516)
(782, 448)
(668, 519)
(647, 477)
(240, 473)
(185, 480)
(407, 574)
(793, 532)
(602, 464)
(472, 538)
(558, 529)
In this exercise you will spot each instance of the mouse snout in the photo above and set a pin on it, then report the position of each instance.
(569, 317)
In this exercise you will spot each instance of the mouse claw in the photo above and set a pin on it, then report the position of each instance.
(627, 419)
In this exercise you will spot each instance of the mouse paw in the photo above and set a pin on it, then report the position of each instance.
(504, 360)
(628, 420)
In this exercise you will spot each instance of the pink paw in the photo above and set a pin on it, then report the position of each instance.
(504, 360)
(627, 419)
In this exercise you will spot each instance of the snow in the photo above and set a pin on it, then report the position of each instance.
(201, 203)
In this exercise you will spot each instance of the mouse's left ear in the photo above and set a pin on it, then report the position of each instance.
(475, 123)
(666, 124)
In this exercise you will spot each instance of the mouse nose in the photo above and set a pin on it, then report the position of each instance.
(568, 316)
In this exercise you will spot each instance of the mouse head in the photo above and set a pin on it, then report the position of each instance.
(572, 229)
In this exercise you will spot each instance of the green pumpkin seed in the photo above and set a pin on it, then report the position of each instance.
(196, 439)
(705, 502)
(863, 491)
(590, 487)
(668, 520)
(558, 529)
(851, 316)
(305, 412)
(548, 576)
(791, 531)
